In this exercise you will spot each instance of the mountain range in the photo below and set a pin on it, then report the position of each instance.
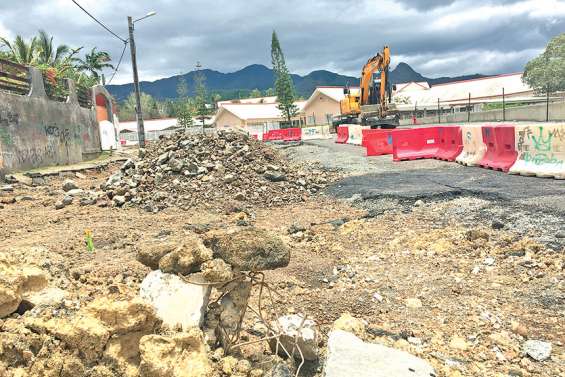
(257, 76)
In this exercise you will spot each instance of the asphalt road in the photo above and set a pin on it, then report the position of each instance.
(524, 204)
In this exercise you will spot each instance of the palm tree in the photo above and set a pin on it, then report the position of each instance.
(94, 62)
(20, 51)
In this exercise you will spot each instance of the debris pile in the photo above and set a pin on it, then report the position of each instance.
(212, 170)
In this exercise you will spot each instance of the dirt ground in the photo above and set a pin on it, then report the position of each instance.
(459, 278)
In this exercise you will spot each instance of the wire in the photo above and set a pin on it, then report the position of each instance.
(100, 23)
(119, 62)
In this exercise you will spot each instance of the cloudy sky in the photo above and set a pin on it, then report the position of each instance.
(436, 37)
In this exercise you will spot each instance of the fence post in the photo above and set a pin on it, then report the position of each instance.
(37, 86)
(469, 109)
(73, 97)
(503, 106)
(547, 105)
(438, 112)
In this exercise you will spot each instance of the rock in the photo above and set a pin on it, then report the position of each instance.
(69, 185)
(85, 334)
(346, 322)
(122, 317)
(458, 343)
(7, 188)
(476, 234)
(350, 356)
(228, 365)
(299, 337)
(176, 165)
(113, 179)
(177, 303)
(186, 258)
(67, 200)
(59, 205)
(150, 252)
(178, 355)
(129, 164)
(418, 203)
(497, 225)
(123, 353)
(413, 303)
(537, 349)
(274, 176)
(217, 271)
(279, 370)
(119, 200)
(249, 249)
(489, 261)
(47, 297)
(75, 192)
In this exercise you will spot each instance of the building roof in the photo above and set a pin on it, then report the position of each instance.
(271, 99)
(458, 92)
(333, 92)
(246, 111)
(150, 125)
(405, 86)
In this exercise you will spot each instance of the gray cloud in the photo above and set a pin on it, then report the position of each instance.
(437, 37)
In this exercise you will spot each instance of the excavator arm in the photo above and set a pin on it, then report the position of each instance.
(378, 63)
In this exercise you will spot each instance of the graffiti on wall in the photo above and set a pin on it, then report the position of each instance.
(541, 145)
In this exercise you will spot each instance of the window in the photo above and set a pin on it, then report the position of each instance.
(329, 118)
(311, 119)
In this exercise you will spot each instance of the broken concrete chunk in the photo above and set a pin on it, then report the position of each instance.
(350, 356)
(186, 258)
(537, 349)
(176, 302)
(121, 317)
(299, 336)
(346, 322)
(179, 355)
(150, 253)
(216, 271)
(69, 185)
(249, 249)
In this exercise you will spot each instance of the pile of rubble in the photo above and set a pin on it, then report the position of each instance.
(212, 170)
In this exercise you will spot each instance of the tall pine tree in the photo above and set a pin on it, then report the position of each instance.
(284, 88)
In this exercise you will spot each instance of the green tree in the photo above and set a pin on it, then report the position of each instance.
(200, 100)
(148, 107)
(62, 57)
(270, 92)
(94, 62)
(184, 112)
(20, 51)
(284, 87)
(546, 73)
(256, 93)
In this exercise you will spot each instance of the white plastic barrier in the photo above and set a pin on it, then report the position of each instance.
(541, 151)
(319, 132)
(355, 134)
(474, 148)
(108, 136)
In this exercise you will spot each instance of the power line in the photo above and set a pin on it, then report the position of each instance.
(99, 22)
(119, 62)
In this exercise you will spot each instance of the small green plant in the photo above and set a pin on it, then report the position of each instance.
(88, 240)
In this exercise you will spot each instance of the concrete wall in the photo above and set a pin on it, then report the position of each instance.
(318, 108)
(36, 131)
(227, 119)
(535, 113)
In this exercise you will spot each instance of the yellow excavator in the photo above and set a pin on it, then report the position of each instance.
(371, 104)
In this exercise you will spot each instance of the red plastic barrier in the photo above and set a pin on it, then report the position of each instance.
(450, 143)
(285, 134)
(377, 142)
(342, 134)
(415, 143)
(501, 151)
(293, 134)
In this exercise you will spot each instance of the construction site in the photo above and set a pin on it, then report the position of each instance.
(370, 228)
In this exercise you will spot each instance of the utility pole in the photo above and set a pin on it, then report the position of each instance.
(139, 114)
(503, 106)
